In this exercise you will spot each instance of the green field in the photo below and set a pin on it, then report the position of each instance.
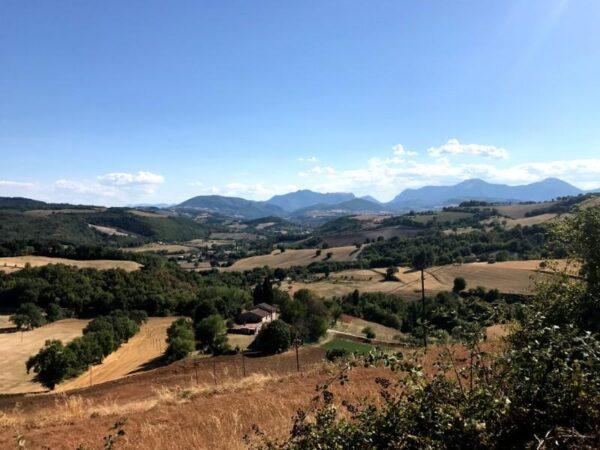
(350, 346)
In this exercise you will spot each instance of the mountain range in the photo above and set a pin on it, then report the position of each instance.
(306, 202)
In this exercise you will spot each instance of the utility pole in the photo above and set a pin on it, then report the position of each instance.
(296, 345)
(423, 306)
(243, 364)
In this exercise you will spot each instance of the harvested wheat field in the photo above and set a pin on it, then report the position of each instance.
(16, 348)
(160, 248)
(147, 345)
(290, 258)
(172, 408)
(511, 277)
(354, 326)
(19, 262)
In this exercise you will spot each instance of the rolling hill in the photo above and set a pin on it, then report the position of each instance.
(232, 206)
(306, 198)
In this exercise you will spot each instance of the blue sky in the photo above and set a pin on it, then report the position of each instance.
(124, 102)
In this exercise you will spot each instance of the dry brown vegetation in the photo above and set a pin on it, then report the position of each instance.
(173, 408)
(49, 212)
(110, 231)
(355, 326)
(147, 345)
(16, 348)
(509, 277)
(160, 248)
(19, 262)
(291, 258)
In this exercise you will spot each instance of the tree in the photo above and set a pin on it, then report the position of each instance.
(180, 340)
(368, 332)
(52, 364)
(212, 334)
(459, 285)
(275, 337)
(28, 316)
(390, 274)
(54, 312)
(421, 261)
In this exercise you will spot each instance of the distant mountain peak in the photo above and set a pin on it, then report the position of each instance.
(306, 198)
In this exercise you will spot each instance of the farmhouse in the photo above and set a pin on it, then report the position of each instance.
(251, 321)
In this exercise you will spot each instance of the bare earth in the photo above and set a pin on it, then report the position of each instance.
(146, 345)
(110, 231)
(17, 347)
(18, 262)
(509, 277)
(291, 258)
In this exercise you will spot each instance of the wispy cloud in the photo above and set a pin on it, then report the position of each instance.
(454, 147)
(308, 159)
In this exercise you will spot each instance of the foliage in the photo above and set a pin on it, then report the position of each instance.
(368, 332)
(180, 340)
(542, 392)
(308, 314)
(212, 334)
(275, 337)
(28, 316)
(459, 285)
(103, 335)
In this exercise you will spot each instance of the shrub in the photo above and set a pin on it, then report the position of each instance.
(368, 332)
(212, 334)
(459, 285)
(336, 353)
(180, 340)
(275, 337)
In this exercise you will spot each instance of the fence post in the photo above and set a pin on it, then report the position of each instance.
(243, 364)
(196, 371)
(215, 371)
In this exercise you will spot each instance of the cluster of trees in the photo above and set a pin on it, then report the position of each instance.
(56, 362)
(542, 392)
(522, 242)
(446, 314)
(180, 340)
(160, 288)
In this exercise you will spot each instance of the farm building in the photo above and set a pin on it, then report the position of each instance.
(251, 321)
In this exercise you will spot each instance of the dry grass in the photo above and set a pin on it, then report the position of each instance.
(140, 213)
(19, 262)
(509, 277)
(107, 230)
(291, 258)
(355, 326)
(160, 248)
(240, 340)
(17, 347)
(142, 348)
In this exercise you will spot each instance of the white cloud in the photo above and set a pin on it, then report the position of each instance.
(454, 147)
(147, 180)
(15, 184)
(317, 170)
(399, 150)
(309, 159)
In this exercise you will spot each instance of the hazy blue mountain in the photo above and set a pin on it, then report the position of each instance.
(305, 198)
(476, 189)
(232, 206)
(356, 205)
(370, 198)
